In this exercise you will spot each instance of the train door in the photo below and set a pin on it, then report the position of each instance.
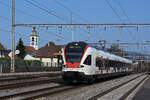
(107, 65)
(100, 65)
(103, 65)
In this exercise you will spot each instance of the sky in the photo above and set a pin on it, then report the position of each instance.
(83, 12)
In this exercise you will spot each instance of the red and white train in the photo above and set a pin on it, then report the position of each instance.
(83, 62)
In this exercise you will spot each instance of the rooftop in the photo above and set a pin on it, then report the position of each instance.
(49, 50)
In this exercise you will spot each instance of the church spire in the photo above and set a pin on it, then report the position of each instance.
(34, 38)
(34, 32)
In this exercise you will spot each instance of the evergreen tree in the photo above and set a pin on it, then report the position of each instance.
(2, 47)
(21, 48)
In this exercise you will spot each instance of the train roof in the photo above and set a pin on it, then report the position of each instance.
(107, 55)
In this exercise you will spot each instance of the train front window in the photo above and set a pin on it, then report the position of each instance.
(73, 57)
(74, 51)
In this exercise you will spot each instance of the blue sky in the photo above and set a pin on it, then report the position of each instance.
(91, 11)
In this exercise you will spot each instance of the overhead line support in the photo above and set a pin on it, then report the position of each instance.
(84, 25)
(88, 33)
(12, 68)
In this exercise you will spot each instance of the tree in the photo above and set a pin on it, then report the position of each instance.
(21, 48)
(117, 51)
(2, 47)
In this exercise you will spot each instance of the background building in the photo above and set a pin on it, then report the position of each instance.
(34, 39)
(50, 54)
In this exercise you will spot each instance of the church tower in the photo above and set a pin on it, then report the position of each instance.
(34, 39)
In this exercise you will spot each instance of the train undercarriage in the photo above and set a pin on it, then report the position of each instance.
(72, 77)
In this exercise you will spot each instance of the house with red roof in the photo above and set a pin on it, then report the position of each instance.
(31, 51)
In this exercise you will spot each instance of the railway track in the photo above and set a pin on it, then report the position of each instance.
(29, 82)
(15, 78)
(90, 92)
(40, 92)
(54, 90)
(114, 93)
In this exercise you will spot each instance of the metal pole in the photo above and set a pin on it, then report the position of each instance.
(72, 30)
(60, 32)
(85, 25)
(71, 17)
(1, 69)
(120, 33)
(88, 33)
(13, 38)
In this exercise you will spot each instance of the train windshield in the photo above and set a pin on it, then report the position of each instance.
(74, 51)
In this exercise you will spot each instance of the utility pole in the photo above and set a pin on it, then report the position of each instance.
(121, 33)
(72, 29)
(60, 32)
(88, 33)
(12, 69)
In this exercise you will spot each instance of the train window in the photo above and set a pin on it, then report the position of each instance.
(98, 62)
(73, 57)
(74, 51)
(88, 60)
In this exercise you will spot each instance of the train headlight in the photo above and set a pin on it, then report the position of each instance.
(81, 66)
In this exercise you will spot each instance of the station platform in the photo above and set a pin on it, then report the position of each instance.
(144, 91)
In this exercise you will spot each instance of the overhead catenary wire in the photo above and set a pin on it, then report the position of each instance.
(44, 8)
(5, 31)
(34, 3)
(124, 12)
(72, 12)
(56, 35)
(7, 5)
(23, 12)
(115, 12)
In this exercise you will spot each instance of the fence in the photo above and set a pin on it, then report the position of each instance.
(51, 64)
(1, 68)
(27, 66)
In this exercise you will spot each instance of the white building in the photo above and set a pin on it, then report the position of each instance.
(34, 39)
